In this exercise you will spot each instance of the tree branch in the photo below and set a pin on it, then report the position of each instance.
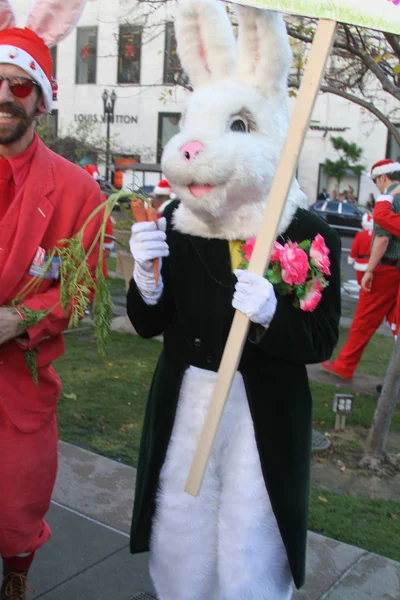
(327, 89)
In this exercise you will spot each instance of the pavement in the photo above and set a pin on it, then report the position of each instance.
(88, 556)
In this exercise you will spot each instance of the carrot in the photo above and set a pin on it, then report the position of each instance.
(138, 211)
(141, 214)
(152, 216)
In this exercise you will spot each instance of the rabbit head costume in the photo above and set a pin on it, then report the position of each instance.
(244, 536)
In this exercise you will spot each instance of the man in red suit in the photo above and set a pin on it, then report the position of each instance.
(380, 282)
(361, 248)
(43, 199)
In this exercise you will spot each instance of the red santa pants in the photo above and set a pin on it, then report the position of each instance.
(372, 308)
(28, 468)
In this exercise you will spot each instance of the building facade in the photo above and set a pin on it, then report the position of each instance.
(129, 48)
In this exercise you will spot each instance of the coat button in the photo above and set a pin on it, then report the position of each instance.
(197, 342)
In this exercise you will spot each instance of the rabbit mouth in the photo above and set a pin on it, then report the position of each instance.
(200, 190)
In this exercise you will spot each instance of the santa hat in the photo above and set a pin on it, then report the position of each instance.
(162, 188)
(93, 171)
(383, 167)
(49, 22)
(367, 222)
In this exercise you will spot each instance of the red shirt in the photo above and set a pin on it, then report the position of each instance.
(13, 173)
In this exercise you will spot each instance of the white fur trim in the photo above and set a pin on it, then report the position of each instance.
(361, 266)
(108, 245)
(205, 25)
(385, 169)
(15, 56)
(384, 198)
(225, 543)
(350, 260)
(240, 224)
(160, 191)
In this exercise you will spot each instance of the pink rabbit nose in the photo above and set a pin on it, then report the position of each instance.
(191, 149)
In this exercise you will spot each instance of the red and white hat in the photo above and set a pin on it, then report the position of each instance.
(162, 188)
(48, 22)
(367, 222)
(383, 167)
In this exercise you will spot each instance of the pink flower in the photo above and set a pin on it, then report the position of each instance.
(276, 252)
(396, 2)
(313, 295)
(319, 253)
(294, 263)
(248, 248)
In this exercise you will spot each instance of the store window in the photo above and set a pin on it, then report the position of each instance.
(168, 126)
(172, 66)
(129, 53)
(86, 54)
(393, 148)
(53, 52)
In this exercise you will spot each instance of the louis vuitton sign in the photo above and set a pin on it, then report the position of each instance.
(123, 119)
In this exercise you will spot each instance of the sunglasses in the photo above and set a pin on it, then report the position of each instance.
(20, 87)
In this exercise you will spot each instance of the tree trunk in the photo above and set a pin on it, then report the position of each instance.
(375, 448)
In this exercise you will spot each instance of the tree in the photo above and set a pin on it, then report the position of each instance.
(375, 448)
(364, 68)
(349, 153)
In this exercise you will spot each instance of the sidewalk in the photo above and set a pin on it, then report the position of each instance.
(88, 557)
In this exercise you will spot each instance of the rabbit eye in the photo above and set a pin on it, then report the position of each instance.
(239, 125)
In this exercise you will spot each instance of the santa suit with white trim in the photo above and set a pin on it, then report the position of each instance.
(361, 248)
(379, 303)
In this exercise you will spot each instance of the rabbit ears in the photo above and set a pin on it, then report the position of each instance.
(52, 20)
(208, 50)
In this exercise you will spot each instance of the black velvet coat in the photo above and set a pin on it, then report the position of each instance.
(195, 315)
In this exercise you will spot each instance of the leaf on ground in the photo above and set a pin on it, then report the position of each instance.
(110, 443)
(145, 385)
(87, 370)
(122, 430)
(77, 416)
(323, 499)
(110, 364)
(133, 426)
(71, 396)
(115, 376)
(321, 460)
(326, 405)
(343, 468)
(394, 516)
(129, 403)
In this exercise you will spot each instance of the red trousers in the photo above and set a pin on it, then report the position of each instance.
(372, 308)
(28, 468)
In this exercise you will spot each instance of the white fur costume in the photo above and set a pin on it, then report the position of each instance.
(224, 544)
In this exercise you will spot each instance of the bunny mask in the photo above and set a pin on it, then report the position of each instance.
(48, 22)
(222, 163)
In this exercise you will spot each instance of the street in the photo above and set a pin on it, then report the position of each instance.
(348, 271)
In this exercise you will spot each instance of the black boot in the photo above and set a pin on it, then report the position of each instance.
(15, 584)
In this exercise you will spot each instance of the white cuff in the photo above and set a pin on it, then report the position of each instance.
(384, 198)
(149, 290)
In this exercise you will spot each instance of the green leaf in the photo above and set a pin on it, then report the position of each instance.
(71, 396)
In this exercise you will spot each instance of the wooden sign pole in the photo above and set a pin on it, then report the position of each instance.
(320, 50)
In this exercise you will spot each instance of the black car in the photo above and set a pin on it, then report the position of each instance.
(343, 216)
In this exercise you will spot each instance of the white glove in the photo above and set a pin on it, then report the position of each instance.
(255, 297)
(148, 242)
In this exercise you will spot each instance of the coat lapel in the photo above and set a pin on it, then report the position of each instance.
(34, 216)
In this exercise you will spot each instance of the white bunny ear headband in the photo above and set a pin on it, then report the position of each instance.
(208, 50)
(48, 22)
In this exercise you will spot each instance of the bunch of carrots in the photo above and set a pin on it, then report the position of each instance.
(142, 213)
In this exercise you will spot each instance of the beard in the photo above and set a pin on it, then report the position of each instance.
(15, 130)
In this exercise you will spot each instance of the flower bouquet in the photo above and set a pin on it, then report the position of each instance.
(296, 269)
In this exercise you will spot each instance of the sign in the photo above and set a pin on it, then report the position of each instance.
(125, 119)
(376, 14)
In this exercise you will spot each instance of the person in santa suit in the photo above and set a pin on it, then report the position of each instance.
(380, 282)
(162, 196)
(361, 247)
(43, 199)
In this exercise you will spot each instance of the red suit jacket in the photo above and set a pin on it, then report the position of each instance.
(53, 205)
(386, 218)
